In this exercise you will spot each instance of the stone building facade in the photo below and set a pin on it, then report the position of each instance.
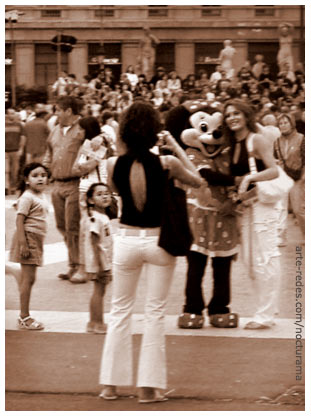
(191, 37)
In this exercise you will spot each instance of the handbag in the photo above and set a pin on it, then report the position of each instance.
(270, 191)
(295, 174)
(175, 233)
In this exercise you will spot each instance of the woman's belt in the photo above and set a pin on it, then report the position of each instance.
(137, 231)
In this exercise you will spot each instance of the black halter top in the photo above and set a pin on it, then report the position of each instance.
(150, 216)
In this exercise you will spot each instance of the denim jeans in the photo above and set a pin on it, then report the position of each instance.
(12, 160)
(65, 199)
(131, 254)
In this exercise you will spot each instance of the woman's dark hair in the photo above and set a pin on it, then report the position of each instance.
(26, 171)
(111, 211)
(91, 126)
(248, 112)
(139, 126)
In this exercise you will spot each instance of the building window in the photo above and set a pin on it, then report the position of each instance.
(264, 11)
(104, 55)
(46, 64)
(109, 12)
(51, 13)
(211, 11)
(156, 11)
(165, 56)
(206, 56)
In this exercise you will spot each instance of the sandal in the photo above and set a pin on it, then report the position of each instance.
(29, 323)
(254, 325)
(109, 392)
(150, 395)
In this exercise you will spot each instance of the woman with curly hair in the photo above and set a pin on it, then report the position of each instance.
(138, 176)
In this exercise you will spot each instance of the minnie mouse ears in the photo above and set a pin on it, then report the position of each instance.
(194, 106)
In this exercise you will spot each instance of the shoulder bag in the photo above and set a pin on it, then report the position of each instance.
(175, 235)
(295, 174)
(270, 191)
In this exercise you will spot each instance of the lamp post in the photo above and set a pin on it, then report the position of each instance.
(59, 54)
(13, 67)
(62, 43)
(12, 17)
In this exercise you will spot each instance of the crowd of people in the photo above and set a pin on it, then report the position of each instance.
(102, 93)
(96, 142)
(166, 89)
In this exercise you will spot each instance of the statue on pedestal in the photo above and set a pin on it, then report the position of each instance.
(226, 57)
(147, 53)
(285, 54)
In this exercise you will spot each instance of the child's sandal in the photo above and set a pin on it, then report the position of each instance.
(29, 323)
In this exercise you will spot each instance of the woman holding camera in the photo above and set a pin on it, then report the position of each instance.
(138, 176)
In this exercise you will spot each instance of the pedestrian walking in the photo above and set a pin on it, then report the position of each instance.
(138, 176)
(98, 250)
(63, 145)
(27, 242)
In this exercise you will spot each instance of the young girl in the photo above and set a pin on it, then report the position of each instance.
(94, 163)
(98, 250)
(27, 243)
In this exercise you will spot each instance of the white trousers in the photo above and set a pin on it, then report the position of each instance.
(131, 254)
(260, 253)
(282, 210)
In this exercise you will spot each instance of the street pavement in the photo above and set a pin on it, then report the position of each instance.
(208, 369)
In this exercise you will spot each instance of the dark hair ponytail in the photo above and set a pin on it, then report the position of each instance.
(111, 210)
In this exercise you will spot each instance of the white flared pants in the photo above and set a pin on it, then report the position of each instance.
(260, 253)
(131, 254)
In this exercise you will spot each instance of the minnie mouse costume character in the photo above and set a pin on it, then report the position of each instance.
(211, 215)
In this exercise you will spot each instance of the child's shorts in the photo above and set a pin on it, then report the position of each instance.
(103, 277)
(35, 245)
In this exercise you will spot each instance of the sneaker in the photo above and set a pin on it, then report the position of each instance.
(77, 278)
(68, 274)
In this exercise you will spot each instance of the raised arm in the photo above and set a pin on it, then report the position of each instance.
(180, 165)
